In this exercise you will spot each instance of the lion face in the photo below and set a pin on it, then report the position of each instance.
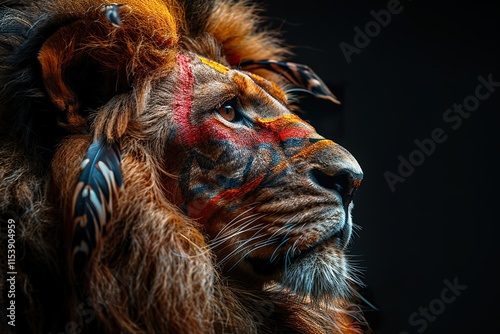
(273, 196)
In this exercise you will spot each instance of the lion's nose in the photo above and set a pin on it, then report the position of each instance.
(345, 182)
(338, 170)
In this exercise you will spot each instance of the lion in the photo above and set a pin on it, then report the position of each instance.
(156, 176)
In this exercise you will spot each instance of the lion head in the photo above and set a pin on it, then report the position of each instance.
(159, 173)
(272, 195)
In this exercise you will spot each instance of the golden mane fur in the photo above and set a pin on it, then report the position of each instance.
(155, 271)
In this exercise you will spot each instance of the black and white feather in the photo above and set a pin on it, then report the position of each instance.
(301, 76)
(112, 12)
(98, 186)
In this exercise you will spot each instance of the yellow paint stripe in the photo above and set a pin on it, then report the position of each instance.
(219, 67)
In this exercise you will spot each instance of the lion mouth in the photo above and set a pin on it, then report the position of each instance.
(272, 267)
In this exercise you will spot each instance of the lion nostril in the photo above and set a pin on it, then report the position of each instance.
(344, 182)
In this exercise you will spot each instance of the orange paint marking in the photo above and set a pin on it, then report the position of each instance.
(309, 152)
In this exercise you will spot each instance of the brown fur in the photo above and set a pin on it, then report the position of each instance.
(155, 272)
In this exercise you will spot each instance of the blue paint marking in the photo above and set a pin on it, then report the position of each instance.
(228, 182)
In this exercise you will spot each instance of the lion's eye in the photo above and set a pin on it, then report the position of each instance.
(230, 111)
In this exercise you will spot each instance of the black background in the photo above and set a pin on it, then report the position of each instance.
(441, 223)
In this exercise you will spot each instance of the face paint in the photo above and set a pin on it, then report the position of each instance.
(282, 144)
(216, 66)
(227, 164)
(269, 86)
(183, 100)
(286, 126)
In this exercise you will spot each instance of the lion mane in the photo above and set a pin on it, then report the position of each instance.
(205, 211)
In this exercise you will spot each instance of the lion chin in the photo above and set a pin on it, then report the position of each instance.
(321, 274)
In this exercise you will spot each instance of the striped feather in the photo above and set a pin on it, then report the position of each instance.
(299, 75)
(113, 14)
(97, 186)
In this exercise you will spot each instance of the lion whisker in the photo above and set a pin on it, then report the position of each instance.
(241, 245)
(262, 244)
(288, 225)
(229, 234)
(244, 245)
(227, 229)
(255, 247)
(229, 237)
(237, 250)
(236, 219)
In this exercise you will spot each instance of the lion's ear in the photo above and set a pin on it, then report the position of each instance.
(75, 79)
(104, 51)
(53, 62)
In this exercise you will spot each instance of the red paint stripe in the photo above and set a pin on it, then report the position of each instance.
(286, 126)
(227, 195)
(183, 100)
(294, 133)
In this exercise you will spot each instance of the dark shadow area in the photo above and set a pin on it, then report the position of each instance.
(419, 83)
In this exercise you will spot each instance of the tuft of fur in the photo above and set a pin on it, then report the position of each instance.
(154, 273)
